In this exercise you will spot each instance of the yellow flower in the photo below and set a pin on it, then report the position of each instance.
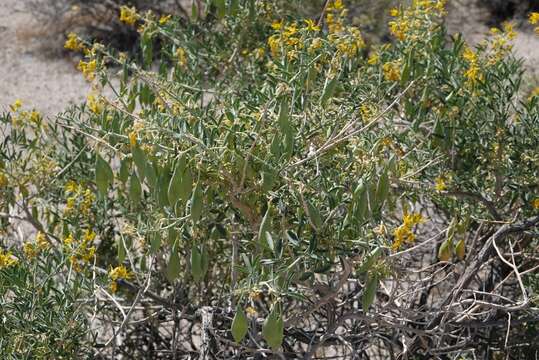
(311, 25)
(3, 180)
(394, 12)
(69, 240)
(337, 5)
(94, 104)
(472, 74)
(509, 31)
(534, 92)
(73, 42)
(119, 272)
(315, 45)
(128, 15)
(469, 55)
(290, 30)
(404, 233)
(16, 105)
(534, 18)
(88, 69)
(535, 203)
(251, 311)
(163, 20)
(41, 241)
(133, 138)
(35, 117)
(113, 286)
(7, 259)
(277, 25)
(259, 53)
(181, 56)
(440, 184)
(392, 71)
(29, 250)
(373, 58)
(274, 43)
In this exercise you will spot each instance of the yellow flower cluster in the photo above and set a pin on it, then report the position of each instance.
(23, 117)
(88, 69)
(439, 183)
(163, 20)
(83, 252)
(336, 12)
(535, 203)
(473, 73)
(78, 198)
(392, 70)
(128, 15)
(181, 56)
(7, 259)
(411, 23)
(94, 104)
(74, 43)
(30, 250)
(404, 232)
(499, 44)
(42, 242)
(118, 273)
(534, 20)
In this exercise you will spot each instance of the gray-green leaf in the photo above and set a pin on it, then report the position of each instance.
(240, 325)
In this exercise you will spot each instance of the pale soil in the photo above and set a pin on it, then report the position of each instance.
(50, 84)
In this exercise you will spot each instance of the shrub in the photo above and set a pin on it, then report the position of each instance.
(269, 188)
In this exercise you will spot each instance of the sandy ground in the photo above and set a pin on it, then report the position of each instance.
(50, 84)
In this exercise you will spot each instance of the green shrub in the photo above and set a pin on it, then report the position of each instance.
(265, 186)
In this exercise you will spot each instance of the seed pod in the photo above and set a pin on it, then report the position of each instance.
(173, 267)
(369, 293)
(460, 249)
(444, 253)
(240, 325)
(272, 330)
(103, 175)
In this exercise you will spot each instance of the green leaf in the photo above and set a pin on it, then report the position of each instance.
(283, 119)
(173, 267)
(172, 236)
(272, 330)
(329, 90)
(199, 263)
(135, 189)
(151, 175)
(155, 242)
(314, 216)
(140, 160)
(361, 202)
(103, 175)
(265, 226)
(180, 184)
(196, 203)
(240, 325)
(369, 293)
(220, 5)
(268, 179)
(382, 189)
(125, 164)
(234, 7)
(121, 250)
(369, 261)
